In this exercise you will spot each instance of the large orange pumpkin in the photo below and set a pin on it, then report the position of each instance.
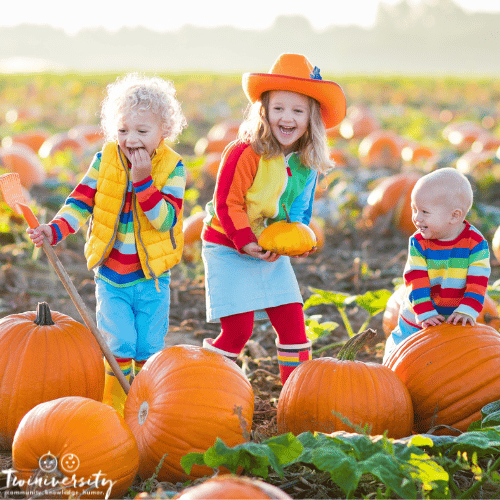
(44, 356)
(391, 198)
(77, 443)
(364, 393)
(22, 160)
(182, 400)
(451, 372)
(231, 487)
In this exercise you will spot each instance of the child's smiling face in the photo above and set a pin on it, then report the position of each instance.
(138, 130)
(288, 115)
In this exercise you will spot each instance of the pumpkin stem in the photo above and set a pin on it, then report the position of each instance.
(43, 316)
(354, 344)
(286, 213)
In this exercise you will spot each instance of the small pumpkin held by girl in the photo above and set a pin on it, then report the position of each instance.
(270, 169)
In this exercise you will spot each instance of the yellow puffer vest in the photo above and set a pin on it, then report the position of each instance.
(158, 251)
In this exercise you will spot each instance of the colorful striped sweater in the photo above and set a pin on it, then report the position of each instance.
(250, 192)
(445, 276)
(122, 267)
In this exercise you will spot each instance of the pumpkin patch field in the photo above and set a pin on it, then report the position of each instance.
(425, 423)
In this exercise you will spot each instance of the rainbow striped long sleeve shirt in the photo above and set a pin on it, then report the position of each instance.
(446, 276)
(162, 207)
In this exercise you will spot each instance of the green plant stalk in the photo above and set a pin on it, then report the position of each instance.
(346, 321)
(468, 493)
(329, 346)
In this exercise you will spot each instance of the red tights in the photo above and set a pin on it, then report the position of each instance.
(287, 320)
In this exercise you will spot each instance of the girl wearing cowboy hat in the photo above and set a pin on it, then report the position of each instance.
(276, 160)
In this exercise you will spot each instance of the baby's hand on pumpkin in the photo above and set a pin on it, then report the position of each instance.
(437, 319)
(456, 317)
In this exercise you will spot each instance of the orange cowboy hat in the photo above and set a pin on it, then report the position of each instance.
(295, 73)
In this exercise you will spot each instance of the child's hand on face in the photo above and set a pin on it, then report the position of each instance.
(456, 318)
(141, 164)
(437, 319)
(255, 250)
(39, 233)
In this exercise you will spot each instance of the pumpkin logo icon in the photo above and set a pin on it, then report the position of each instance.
(70, 463)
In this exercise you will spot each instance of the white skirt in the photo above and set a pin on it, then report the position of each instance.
(236, 283)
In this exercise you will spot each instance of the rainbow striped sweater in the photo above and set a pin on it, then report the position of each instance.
(250, 192)
(162, 207)
(445, 276)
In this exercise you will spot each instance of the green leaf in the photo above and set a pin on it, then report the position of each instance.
(286, 448)
(315, 330)
(254, 458)
(325, 297)
(373, 302)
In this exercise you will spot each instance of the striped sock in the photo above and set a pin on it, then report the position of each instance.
(138, 366)
(125, 365)
(290, 356)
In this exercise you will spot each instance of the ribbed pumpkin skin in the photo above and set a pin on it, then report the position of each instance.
(230, 487)
(450, 371)
(182, 400)
(45, 362)
(288, 238)
(365, 393)
(93, 432)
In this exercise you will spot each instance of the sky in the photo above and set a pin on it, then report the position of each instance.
(171, 15)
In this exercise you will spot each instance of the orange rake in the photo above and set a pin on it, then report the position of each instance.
(10, 186)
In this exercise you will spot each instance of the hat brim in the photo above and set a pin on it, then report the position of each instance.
(329, 94)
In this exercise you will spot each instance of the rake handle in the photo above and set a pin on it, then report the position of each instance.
(82, 309)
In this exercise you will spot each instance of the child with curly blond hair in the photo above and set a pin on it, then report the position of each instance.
(133, 194)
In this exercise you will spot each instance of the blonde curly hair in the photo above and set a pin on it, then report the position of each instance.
(134, 93)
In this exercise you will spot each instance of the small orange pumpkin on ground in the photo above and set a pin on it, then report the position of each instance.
(381, 149)
(69, 441)
(44, 355)
(495, 244)
(462, 134)
(451, 372)
(231, 487)
(192, 228)
(181, 401)
(32, 139)
(287, 237)
(390, 203)
(62, 142)
(21, 159)
(364, 393)
(358, 123)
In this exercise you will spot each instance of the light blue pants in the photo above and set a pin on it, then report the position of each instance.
(134, 319)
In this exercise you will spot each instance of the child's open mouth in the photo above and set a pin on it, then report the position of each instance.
(286, 130)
